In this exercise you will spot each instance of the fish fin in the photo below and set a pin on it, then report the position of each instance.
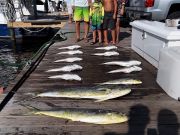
(107, 90)
(102, 99)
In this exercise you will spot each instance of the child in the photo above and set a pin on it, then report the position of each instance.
(96, 15)
(110, 12)
(120, 13)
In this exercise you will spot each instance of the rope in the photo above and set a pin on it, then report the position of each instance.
(33, 31)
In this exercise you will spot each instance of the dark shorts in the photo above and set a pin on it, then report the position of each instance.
(108, 22)
(96, 27)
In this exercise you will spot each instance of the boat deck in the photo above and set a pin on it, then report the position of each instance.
(150, 110)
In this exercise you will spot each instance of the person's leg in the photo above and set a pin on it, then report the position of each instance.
(112, 26)
(77, 30)
(94, 37)
(77, 19)
(117, 30)
(86, 22)
(105, 29)
(100, 36)
(86, 29)
(70, 18)
(113, 33)
(105, 37)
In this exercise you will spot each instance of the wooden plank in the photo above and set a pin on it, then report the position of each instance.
(149, 108)
(30, 25)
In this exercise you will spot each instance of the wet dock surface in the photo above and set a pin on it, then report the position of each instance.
(149, 109)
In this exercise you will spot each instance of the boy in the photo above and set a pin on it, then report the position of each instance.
(120, 13)
(96, 15)
(81, 11)
(110, 11)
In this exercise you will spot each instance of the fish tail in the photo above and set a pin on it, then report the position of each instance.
(32, 109)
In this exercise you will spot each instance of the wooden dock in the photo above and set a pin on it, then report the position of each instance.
(150, 110)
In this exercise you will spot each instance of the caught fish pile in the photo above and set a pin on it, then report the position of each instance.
(73, 59)
(109, 53)
(66, 77)
(68, 68)
(107, 48)
(85, 115)
(123, 81)
(72, 47)
(124, 63)
(71, 52)
(100, 95)
(126, 70)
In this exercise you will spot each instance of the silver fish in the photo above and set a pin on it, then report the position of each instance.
(123, 81)
(127, 70)
(72, 47)
(66, 77)
(72, 52)
(107, 48)
(101, 94)
(124, 63)
(84, 115)
(109, 53)
(68, 68)
(73, 59)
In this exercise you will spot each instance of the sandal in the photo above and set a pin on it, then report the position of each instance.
(78, 40)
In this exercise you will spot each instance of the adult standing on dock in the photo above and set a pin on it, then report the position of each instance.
(69, 8)
(81, 12)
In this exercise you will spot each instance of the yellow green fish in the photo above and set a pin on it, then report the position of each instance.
(86, 115)
(100, 94)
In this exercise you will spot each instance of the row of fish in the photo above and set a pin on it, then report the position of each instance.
(98, 94)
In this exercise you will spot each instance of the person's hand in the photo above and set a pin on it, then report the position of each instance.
(73, 7)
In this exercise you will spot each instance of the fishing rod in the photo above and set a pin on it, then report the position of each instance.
(30, 67)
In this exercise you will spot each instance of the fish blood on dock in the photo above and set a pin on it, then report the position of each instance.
(109, 53)
(68, 68)
(66, 77)
(73, 59)
(71, 52)
(72, 47)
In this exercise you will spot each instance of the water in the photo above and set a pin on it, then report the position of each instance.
(11, 63)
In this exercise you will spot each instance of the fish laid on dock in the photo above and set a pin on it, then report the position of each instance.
(107, 48)
(68, 68)
(67, 77)
(123, 81)
(73, 59)
(72, 52)
(124, 63)
(127, 70)
(109, 53)
(101, 94)
(84, 115)
(72, 47)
